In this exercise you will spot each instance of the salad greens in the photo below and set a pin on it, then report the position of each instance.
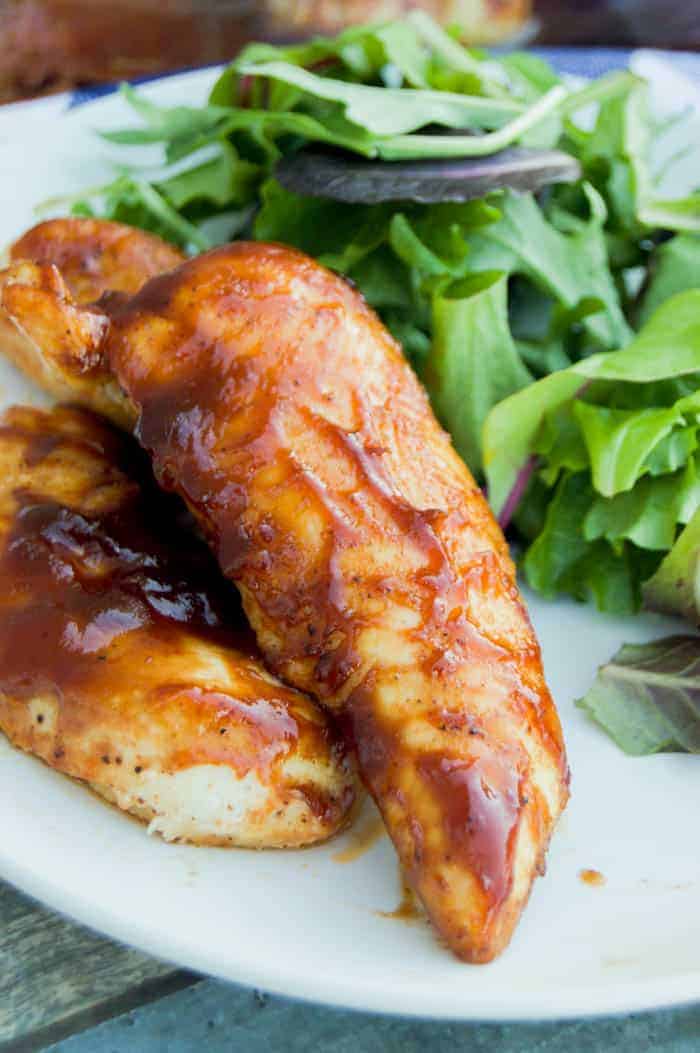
(558, 336)
(611, 447)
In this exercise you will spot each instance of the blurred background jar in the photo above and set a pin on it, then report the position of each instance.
(51, 45)
(481, 21)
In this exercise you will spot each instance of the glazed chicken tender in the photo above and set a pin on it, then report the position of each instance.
(119, 661)
(371, 569)
(95, 257)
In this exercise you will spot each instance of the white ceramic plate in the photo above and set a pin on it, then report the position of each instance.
(304, 924)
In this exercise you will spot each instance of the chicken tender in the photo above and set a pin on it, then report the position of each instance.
(273, 400)
(95, 257)
(121, 663)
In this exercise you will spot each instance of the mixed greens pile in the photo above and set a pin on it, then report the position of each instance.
(558, 336)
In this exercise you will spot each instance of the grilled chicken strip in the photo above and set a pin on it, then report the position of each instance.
(119, 661)
(371, 569)
(94, 257)
(248, 805)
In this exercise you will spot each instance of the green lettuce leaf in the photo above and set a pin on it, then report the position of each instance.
(675, 587)
(667, 347)
(559, 445)
(649, 513)
(562, 559)
(675, 267)
(619, 442)
(473, 363)
(647, 697)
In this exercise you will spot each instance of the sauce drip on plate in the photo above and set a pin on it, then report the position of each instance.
(594, 878)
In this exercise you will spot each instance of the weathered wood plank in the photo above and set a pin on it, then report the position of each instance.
(57, 978)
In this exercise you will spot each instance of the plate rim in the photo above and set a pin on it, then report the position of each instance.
(334, 991)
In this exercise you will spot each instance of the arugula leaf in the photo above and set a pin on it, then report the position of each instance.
(521, 128)
(138, 203)
(390, 111)
(186, 129)
(543, 356)
(623, 481)
(559, 445)
(566, 267)
(452, 54)
(391, 114)
(611, 577)
(433, 238)
(562, 559)
(384, 281)
(565, 340)
(414, 251)
(165, 124)
(336, 233)
(673, 451)
(364, 51)
(473, 363)
(529, 73)
(647, 697)
(224, 180)
(619, 148)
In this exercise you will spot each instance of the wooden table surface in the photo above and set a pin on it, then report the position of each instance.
(57, 978)
(66, 989)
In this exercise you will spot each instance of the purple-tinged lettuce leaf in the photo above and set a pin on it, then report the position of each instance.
(647, 697)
